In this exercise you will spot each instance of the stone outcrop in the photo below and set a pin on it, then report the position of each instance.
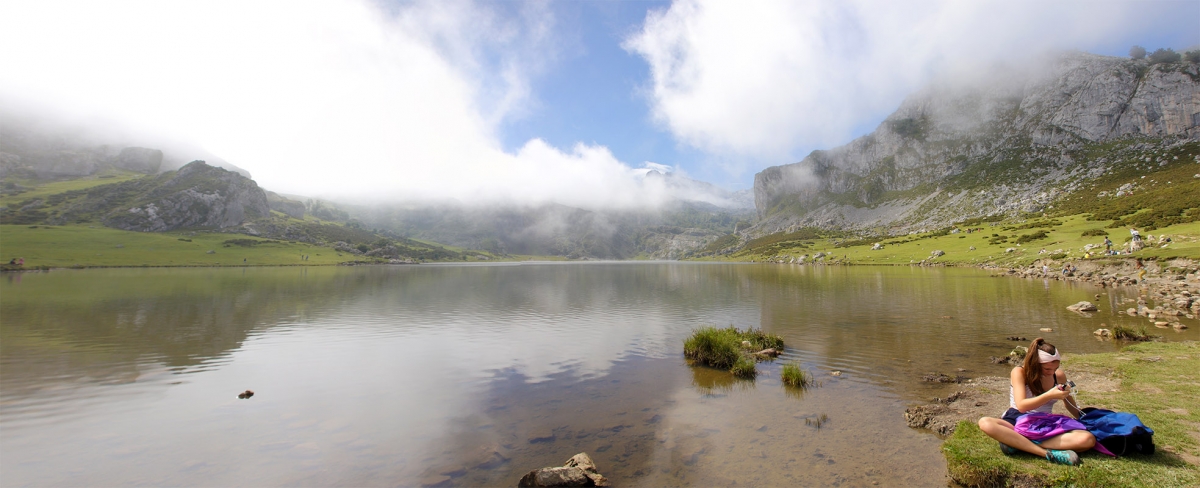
(1000, 145)
(198, 195)
(292, 208)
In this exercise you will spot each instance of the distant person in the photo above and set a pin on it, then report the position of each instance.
(1107, 245)
(1035, 386)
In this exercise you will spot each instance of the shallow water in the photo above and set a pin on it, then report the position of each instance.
(475, 374)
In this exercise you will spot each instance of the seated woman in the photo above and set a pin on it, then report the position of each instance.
(1035, 386)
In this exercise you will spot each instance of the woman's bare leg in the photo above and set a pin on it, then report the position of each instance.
(1003, 431)
(1075, 440)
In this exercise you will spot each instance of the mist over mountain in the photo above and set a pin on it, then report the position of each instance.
(680, 214)
(1006, 141)
(41, 142)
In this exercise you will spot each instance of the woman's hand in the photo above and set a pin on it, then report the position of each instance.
(1059, 392)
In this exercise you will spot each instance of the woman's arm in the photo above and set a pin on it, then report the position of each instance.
(1061, 377)
(1017, 380)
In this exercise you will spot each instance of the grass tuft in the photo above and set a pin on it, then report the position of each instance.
(744, 368)
(792, 375)
(729, 348)
(1129, 334)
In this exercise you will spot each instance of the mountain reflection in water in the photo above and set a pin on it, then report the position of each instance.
(473, 375)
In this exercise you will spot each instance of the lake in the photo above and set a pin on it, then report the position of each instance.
(472, 375)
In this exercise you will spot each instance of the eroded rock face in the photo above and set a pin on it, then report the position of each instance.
(198, 195)
(947, 128)
(140, 159)
(292, 208)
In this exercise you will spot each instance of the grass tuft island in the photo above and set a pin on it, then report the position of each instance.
(731, 348)
(1157, 381)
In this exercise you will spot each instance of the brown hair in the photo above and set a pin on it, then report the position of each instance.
(1033, 365)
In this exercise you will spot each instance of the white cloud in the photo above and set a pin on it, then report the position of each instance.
(317, 98)
(763, 79)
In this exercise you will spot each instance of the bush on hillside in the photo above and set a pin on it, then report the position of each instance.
(1167, 55)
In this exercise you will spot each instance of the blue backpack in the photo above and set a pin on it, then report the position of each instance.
(1119, 432)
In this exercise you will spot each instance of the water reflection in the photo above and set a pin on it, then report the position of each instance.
(472, 375)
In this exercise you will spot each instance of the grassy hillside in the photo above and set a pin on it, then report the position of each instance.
(1030, 240)
(79, 245)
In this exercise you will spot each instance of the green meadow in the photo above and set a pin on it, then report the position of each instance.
(93, 246)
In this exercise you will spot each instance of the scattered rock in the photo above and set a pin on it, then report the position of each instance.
(1179, 326)
(835, 373)
(245, 394)
(1046, 329)
(769, 352)
(1016, 338)
(1083, 307)
(1103, 333)
(937, 253)
(578, 471)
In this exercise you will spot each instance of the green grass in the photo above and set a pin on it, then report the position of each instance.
(41, 189)
(84, 246)
(1123, 333)
(744, 367)
(1062, 235)
(726, 349)
(1158, 383)
(793, 376)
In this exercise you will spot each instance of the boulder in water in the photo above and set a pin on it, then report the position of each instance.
(578, 471)
(1083, 307)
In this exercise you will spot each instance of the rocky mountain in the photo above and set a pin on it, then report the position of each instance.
(553, 229)
(1012, 141)
(197, 196)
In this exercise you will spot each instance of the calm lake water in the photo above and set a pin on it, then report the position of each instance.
(476, 374)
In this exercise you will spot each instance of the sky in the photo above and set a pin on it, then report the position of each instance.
(565, 101)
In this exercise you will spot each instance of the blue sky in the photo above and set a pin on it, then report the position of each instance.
(596, 92)
(526, 101)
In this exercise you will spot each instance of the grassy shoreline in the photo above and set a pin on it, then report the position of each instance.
(1157, 382)
(81, 246)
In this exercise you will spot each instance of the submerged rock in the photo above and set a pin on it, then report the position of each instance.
(1083, 307)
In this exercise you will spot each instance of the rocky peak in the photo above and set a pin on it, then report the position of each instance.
(198, 195)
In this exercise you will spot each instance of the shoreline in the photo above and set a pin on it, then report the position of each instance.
(1142, 378)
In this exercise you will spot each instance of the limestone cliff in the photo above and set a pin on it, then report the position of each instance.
(1006, 143)
(198, 195)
